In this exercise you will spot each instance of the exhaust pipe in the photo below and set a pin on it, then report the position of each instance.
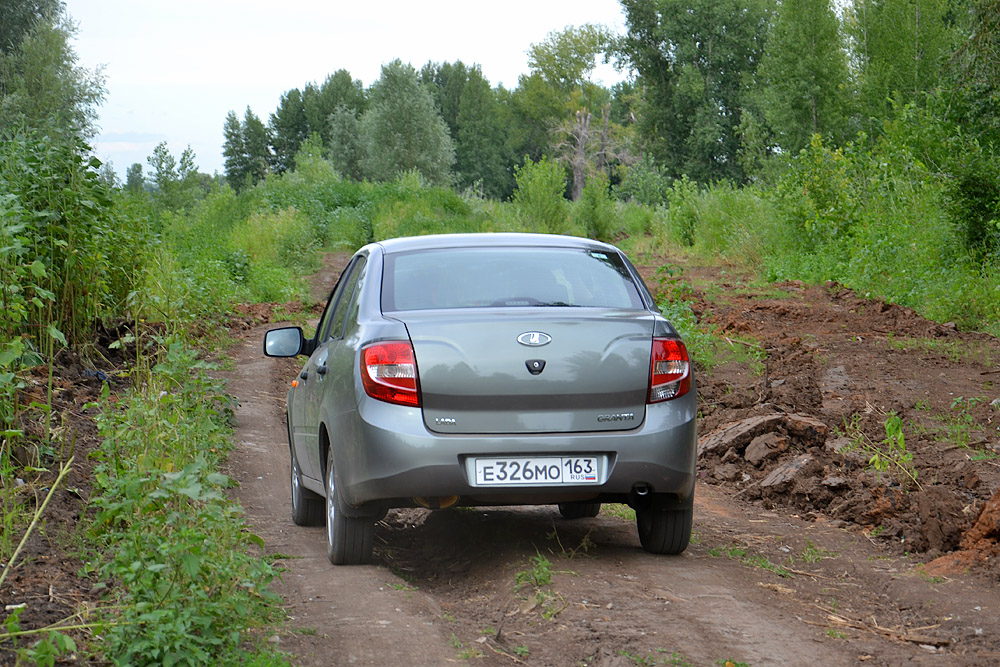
(641, 490)
(436, 502)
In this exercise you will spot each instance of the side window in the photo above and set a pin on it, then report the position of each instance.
(348, 302)
(337, 298)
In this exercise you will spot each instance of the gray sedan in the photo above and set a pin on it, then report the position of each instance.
(489, 369)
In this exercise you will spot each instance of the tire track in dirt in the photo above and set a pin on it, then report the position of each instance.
(357, 617)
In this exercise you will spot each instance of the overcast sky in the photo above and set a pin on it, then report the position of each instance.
(175, 68)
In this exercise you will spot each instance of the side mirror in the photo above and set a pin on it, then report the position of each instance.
(284, 342)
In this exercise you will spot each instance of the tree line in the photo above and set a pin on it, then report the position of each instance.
(719, 90)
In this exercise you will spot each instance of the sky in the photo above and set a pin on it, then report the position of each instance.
(174, 68)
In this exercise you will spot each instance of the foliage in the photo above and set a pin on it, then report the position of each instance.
(595, 213)
(888, 456)
(644, 182)
(402, 130)
(530, 111)
(337, 90)
(974, 70)
(345, 147)
(18, 17)
(539, 196)
(804, 76)
(245, 149)
(900, 48)
(69, 262)
(696, 62)
(482, 159)
(287, 128)
(566, 59)
(42, 88)
(473, 114)
(187, 582)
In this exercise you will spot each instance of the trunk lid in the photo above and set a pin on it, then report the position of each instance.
(475, 377)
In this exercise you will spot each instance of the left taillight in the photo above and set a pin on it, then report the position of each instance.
(670, 370)
(389, 372)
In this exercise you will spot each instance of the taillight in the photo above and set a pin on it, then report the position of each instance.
(389, 372)
(670, 370)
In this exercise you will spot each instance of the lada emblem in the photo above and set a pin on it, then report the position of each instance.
(534, 338)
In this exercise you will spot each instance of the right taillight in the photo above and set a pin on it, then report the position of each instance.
(389, 373)
(669, 370)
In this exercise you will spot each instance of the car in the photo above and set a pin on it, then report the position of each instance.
(487, 370)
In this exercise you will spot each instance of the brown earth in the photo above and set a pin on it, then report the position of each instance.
(802, 548)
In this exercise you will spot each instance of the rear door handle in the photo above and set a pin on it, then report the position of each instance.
(321, 369)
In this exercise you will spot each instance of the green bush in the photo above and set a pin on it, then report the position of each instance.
(539, 196)
(683, 211)
(595, 213)
(645, 183)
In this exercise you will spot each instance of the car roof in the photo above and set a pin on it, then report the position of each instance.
(488, 240)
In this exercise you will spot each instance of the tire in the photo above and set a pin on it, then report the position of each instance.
(664, 530)
(307, 507)
(579, 510)
(349, 540)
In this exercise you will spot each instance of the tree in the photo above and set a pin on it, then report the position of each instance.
(245, 150)
(319, 102)
(696, 62)
(480, 151)
(531, 112)
(566, 59)
(41, 85)
(402, 129)
(446, 81)
(18, 17)
(975, 70)
(164, 173)
(345, 146)
(256, 150)
(900, 47)
(134, 181)
(234, 151)
(289, 128)
(107, 175)
(803, 75)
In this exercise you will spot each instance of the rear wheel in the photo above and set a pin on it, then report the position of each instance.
(307, 507)
(579, 510)
(349, 539)
(664, 528)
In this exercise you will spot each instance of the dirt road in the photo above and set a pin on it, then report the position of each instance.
(791, 561)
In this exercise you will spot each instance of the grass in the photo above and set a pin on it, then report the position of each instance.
(956, 351)
(582, 548)
(741, 554)
(538, 578)
(813, 554)
(618, 510)
(675, 659)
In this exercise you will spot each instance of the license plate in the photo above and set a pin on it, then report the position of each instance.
(537, 471)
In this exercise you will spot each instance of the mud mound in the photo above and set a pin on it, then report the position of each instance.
(808, 430)
(979, 546)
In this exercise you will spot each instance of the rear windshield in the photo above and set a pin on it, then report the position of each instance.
(505, 277)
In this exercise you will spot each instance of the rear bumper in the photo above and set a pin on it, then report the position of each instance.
(392, 457)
